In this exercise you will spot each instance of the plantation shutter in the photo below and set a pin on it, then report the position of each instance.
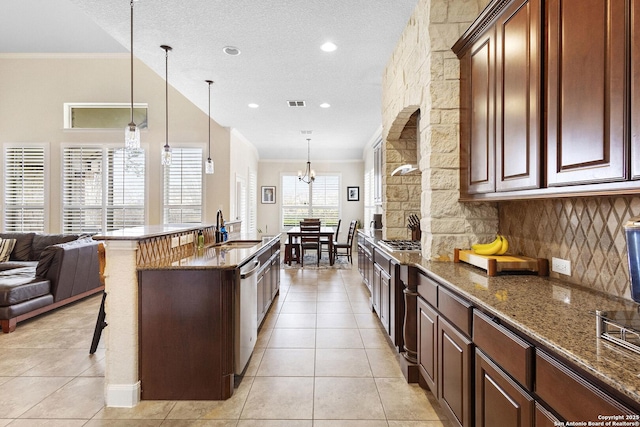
(253, 204)
(103, 189)
(326, 199)
(82, 207)
(126, 189)
(24, 189)
(183, 187)
(295, 201)
(300, 200)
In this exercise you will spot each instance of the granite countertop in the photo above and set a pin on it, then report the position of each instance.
(148, 231)
(556, 315)
(227, 255)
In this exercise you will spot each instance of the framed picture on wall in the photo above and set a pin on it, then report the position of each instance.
(353, 194)
(268, 194)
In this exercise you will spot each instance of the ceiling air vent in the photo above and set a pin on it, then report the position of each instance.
(296, 103)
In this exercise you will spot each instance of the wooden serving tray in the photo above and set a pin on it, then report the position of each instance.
(494, 264)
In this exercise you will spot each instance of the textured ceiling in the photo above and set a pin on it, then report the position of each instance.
(281, 59)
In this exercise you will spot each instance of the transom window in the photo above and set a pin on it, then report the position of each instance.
(103, 115)
(320, 199)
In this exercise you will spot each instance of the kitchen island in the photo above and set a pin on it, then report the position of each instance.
(552, 322)
(157, 250)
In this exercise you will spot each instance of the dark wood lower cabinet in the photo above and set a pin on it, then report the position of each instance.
(499, 400)
(428, 345)
(186, 334)
(571, 395)
(455, 358)
(385, 295)
(544, 418)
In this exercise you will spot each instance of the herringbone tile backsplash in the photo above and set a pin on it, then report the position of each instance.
(587, 231)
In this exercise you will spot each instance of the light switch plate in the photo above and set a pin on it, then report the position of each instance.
(561, 266)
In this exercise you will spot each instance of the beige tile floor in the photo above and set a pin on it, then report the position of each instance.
(321, 360)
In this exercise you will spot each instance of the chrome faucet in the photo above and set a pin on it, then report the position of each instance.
(219, 226)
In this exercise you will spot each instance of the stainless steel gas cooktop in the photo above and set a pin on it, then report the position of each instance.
(401, 245)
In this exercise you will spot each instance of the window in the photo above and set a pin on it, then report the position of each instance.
(369, 206)
(183, 187)
(103, 189)
(253, 202)
(24, 188)
(377, 173)
(103, 115)
(320, 199)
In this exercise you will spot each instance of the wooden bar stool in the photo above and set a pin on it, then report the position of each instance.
(292, 252)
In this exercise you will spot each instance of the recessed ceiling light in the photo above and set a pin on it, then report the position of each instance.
(328, 47)
(325, 105)
(253, 105)
(231, 50)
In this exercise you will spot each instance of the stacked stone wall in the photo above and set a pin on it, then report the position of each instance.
(423, 75)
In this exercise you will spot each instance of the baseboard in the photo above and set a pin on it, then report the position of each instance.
(122, 395)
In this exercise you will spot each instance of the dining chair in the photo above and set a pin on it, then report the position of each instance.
(325, 241)
(310, 241)
(345, 248)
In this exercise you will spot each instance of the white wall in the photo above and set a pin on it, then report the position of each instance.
(34, 88)
(352, 175)
(244, 160)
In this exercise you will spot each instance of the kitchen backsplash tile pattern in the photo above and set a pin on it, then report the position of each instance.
(587, 231)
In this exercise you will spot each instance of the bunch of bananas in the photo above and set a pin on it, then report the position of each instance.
(497, 247)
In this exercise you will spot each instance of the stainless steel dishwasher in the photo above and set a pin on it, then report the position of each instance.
(246, 316)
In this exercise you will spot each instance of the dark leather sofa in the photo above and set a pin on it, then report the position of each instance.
(44, 272)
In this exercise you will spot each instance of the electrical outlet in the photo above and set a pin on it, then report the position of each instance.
(561, 266)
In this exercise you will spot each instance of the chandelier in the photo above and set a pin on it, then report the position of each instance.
(309, 174)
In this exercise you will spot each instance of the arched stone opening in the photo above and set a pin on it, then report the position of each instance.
(401, 193)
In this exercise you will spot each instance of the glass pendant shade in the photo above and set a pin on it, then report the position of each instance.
(166, 156)
(208, 167)
(131, 137)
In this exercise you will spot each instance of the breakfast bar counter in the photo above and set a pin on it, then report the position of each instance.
(157, 247)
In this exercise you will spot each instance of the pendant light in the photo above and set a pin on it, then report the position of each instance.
(166, 152)
(131, 131)
(208, 166)
(309, 174)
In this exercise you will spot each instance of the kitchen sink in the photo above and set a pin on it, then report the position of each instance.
(237, 244)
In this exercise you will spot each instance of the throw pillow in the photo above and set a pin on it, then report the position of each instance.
(6, 246)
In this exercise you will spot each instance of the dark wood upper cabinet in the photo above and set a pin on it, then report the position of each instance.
(586, 91)
(479, 136)
(550, 100)
(518, 82)
(500, 81)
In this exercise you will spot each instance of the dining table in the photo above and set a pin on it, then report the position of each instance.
(325, 232)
